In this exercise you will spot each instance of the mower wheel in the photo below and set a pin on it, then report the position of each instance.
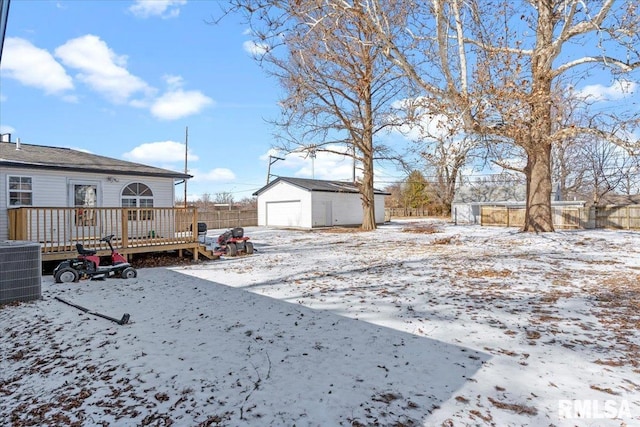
(248, 248)
(66, 275)
(129, 273)
(232, 249)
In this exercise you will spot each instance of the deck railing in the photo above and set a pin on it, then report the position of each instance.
(59, 229)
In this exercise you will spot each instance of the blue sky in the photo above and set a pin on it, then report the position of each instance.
(125, 79)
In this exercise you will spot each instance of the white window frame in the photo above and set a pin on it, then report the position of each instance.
(140, 201)
(19, 190)
(81, 217)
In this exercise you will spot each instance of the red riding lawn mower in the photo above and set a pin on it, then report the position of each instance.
(233, 242)
(88, 265)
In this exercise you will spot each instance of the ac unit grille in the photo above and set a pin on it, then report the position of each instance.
(20, 271)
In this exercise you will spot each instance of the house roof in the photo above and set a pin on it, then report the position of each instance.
(318, 185)
(58, 158)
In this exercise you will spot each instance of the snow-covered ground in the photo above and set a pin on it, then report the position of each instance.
(416, 323)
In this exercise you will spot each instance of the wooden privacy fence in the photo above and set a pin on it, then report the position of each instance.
(617, 217)
(228, 219)
(623, 217)
(405, 212)
(59, 229)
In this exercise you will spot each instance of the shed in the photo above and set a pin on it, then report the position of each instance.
(309, 203)
(468, 201)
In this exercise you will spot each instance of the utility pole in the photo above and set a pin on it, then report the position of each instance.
(312, 154)
(353, 173)
(4, 17)
(272, 160)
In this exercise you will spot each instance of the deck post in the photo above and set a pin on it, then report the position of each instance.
(195, 236)
(125, 227)
(21, 230)
(194, 222)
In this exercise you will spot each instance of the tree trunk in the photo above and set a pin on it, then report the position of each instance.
(537, 141)
(367, 195)
(366, 146)
(538, 215)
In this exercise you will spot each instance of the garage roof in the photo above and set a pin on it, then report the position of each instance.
(318, 185)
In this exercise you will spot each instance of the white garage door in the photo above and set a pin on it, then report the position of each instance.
(284, 214)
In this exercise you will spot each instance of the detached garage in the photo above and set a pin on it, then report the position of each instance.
(308, 203)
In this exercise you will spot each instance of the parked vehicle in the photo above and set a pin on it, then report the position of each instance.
(233, 242)
(87, 265)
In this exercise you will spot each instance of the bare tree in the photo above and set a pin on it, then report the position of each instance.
(494, 64)
(447, 159)
(608, 170)
(248, 203)
(224, 197)
(568, 166)
(395, 199)
(440, 145)
(338, 86)
(630, 183)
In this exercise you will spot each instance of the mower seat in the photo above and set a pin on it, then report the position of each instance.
(82, 251)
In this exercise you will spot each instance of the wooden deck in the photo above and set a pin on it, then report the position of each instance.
(136, 230)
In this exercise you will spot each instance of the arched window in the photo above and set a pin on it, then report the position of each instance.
(138, 195)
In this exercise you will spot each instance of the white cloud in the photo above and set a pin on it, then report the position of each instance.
(162, 8)
(326, 166)
(179, 103)
(173, 82)
(429, 127)
(159, 153)
(618, 90)
(101, 69)
(214, 175)
(272, 152)
(34, 67)
(7, 129)
(255, 49)
(330, 166)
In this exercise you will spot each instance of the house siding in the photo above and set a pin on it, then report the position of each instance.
(4, 217)
(51, 189)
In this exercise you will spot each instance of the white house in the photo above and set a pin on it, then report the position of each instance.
(308, 203)
(41, 176)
